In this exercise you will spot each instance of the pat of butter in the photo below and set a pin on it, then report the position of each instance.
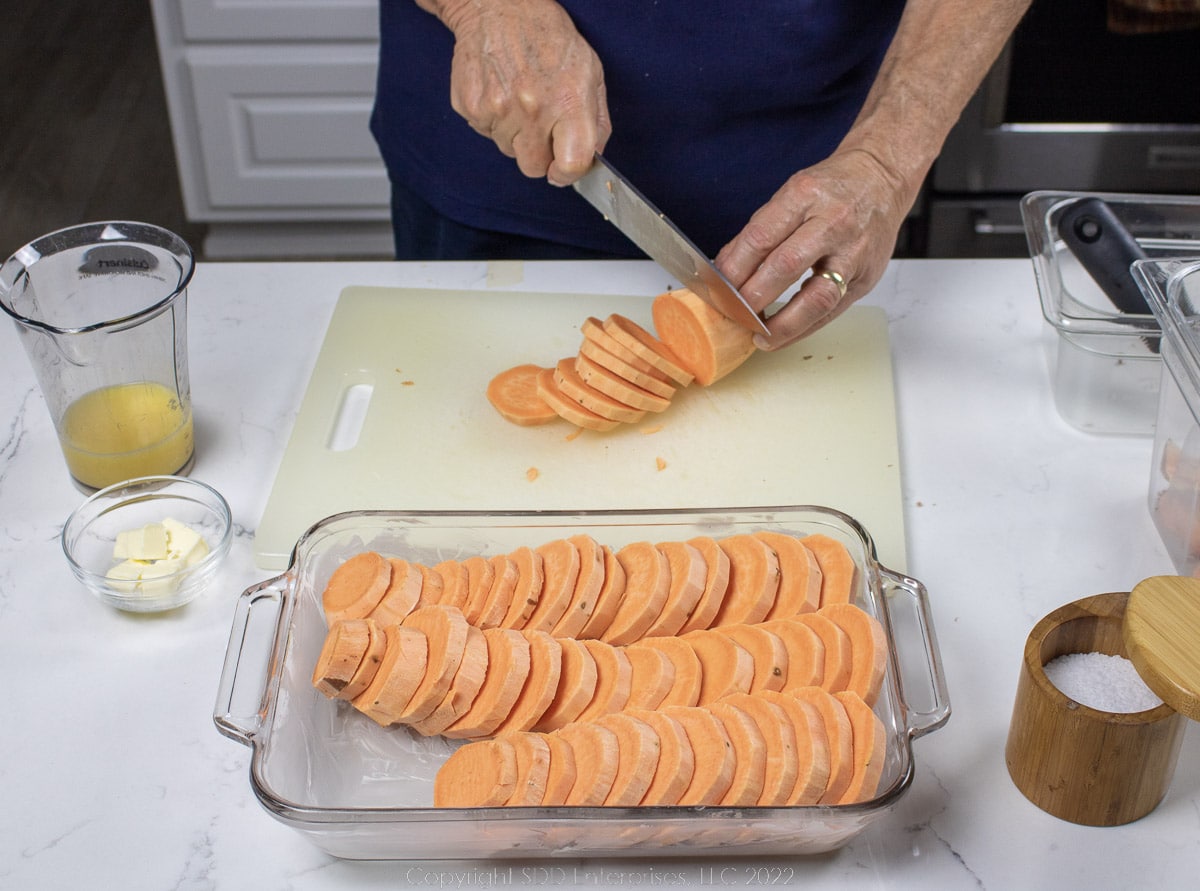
(146, 543)
(184, 542)
(150, 554)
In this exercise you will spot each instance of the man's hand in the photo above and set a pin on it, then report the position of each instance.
(523, 77)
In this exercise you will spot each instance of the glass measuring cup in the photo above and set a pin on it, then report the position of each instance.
(101, 309)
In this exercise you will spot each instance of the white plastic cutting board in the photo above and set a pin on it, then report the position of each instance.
(811, 424)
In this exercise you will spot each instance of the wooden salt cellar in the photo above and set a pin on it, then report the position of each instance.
(1101, 768)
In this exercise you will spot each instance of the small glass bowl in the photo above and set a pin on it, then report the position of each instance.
(90, 535)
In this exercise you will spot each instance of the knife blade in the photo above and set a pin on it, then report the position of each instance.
(646, 226)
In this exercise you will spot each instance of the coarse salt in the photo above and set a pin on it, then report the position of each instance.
(1103, 682)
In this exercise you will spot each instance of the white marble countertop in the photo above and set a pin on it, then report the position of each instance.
(113, 775)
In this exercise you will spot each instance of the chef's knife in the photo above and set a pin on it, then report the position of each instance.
(650, 229)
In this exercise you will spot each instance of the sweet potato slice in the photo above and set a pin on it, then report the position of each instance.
(445, 630)
(568, 409)
(342, 652)
(725, 666)
(365, 673)
(560, 571)
(637, 758)
(750, 754)
(481, 573)
(527, 593)
(838, 660)
(593, 331)
(779, 742)
(706, 343)
(714, 760)
(838, 739)
(647, 583)
(561, 776)
(545, 668)
(399, 675)
(577, 681)
(479, 774)
(676, 758)
(768, 652)
(574, 387)
(508, 670)
(837, 568)
(403, 592)
(472, 671)
(597, 759)
(597, 355)
(610, 383)
(799, 576)
(753, 580)
(716, 582)
(356, 586)
(455, 583)
(868, 648)
(588, 583)
(514, 394)
(652, 677)
(870, 748)
(687, 671)
(812, 748)
(608, 600)
(688, 573)
(647, 347)
(805, 652)
(533, 768)
(614, 679)
(499, 598)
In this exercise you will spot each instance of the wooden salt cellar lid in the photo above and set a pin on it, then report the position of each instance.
(1162, 639)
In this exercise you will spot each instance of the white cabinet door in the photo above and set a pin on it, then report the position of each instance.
(286, 128)
(225, 20)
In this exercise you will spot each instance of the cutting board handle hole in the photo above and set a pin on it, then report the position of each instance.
(350, 416)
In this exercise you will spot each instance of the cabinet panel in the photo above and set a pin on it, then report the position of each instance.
(279, 19)
(287, 127)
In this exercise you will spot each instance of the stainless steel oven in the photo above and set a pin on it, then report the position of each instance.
(1070, 105)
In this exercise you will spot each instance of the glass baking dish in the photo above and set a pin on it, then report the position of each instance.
(360, 791)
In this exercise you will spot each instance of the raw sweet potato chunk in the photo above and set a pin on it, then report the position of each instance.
(838, 661)
(586, 593)
(545, 668)
(753, 579)
(589, 351)
(445, 630)
(716, 582)
(779, 743)
(341, 653)
(496, 603)
(399, 675)
(749, 751)
(868, 648)
(567, 408)
(563, 772)
(805, 649)
(685, 667)
(811, 758)
(837, 568)
(767, 651)
(578, 676)
(869, 744)
(467, 682)
(676, 758)
(652, 676)
(356, 586)
(481, 573)
(614, 679)
(533, 768)
(560, 571)
(608, 599)
(706, 343)
(574, 387)
(514, 394)
(688, 572)
(714, 759)
(403, 592)
(508, 670)
(365, 673)
(837, 737)
(725, 666)
(647, 583)
(597, 760)
(637, 758)
(799, 576)
(612, 384)
(455, 583)
(479, 774)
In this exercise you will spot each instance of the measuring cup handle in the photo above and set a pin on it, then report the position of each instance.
(918, 662)
(255, 645)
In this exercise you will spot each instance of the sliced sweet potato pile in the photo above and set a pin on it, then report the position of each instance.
(446, 631)
(614, 680)
(637, 758)
(533, 768)
(342, 652)
(464, 688)
(753, 579)
(779, 744)
(812, 753)
(837, 568)
(567, 408)
(578, 676)
(686, 671)
(541, 686)
(560, 562)
(481, 573)
(592, 352)
(647, 347)
(714, 760)
(687, 571)
(838, 741)
(514, 394)
(611, 383)
(400, 673)
(608, 599)
(725, 666)
(480, 774)
(588, 582)
(767, 651)
(527, 593)
(594, 332)
(455, 582)
(499, 597)
(563, 771)
(676, 758)
(805, 652)
(869, 746)
(652, 677)
(356, 586)
(706, 343)
(749, 754)
(716, 582)
(799, 576)
(596, 747)
(574, 387)
(868, 648)
(508, 670)
(647, 584)
(838, 659)
(402, 593)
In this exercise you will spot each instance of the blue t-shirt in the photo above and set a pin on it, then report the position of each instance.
(714, 104)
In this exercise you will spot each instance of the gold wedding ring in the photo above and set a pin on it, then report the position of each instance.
(837, 279)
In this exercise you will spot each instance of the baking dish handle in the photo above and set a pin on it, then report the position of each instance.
(251, 659)
(918, 662)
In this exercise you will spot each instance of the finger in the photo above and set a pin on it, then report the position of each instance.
(531, 148)
(575, 142)
(818, 302)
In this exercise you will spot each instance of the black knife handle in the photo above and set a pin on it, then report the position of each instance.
(1104, 247)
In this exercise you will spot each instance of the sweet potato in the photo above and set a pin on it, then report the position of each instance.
(749, 751)
(838, 660)
(870, 748)
(637, 758)
(688, 572)
(403, 592)
(811, 758)
(455, 583)
(838, 740)
(597, 355)
(514, 394)
(716, 582)
(560, 571)
(508, 670)
(545, 668)
(400, 674)
(481, 573)
(597, 760)
(567, 408)
(779, 743)
(533, 768)
(837, 568)
(577, 681)
(799, 576)
(371, 660)
(647, 347)
(614, 679)
(574, 387)
(647, 583)
(445, 630)
(676, 758)
(499, 598)
(593, 331)
(714, 759)
(479, 774)
(612, 384)
(706, 343)
(686, 671)
(563, 772)
(767, 651)
(805, 652)
(868, 648)
(465, 686)
(725, 666)
(356, 586)
(341, 653)
(528, 591)
(588, 582)
(652, 676)
(753, 579)
(608, 600)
